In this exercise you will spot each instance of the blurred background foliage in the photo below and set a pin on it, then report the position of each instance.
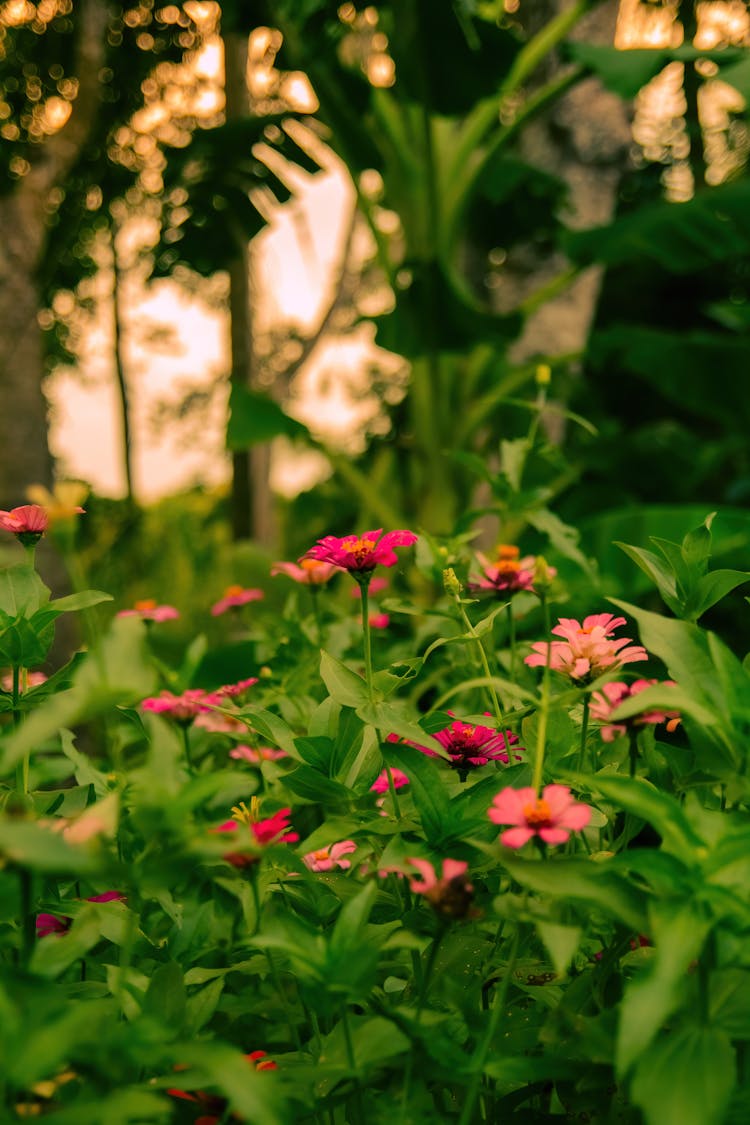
(538, 187)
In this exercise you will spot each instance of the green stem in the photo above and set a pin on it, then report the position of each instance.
(424, 986)
(584, 733)
(256, 898)
(499, 1005)
(185, 728)
(293, 1031)
(511, 639)
(314, 594)
(22, 768)
(491, 693)
(633, 752)
(28, 922)
(359, 1115)
(392, 791)
(541, 730)
(364, 584)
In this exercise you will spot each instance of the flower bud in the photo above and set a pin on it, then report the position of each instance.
(451, 584)
(543, 375)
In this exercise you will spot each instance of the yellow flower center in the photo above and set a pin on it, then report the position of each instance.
(244, 815)
(321, 854)
(233, 591)
(538, 813)
(146, 603)
(359, 547)
(508, 551)
(508, 566)
(311, 564)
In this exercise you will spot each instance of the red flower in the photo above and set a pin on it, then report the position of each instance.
(361, 554)
(551, 817)
(29, 522)
(272, 830)
(214, 1104)
(234, 597)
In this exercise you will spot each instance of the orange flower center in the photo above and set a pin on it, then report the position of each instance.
(233, 591)
(507, 551)
(146, 603)
(508, 566)
(321, 854)
(311, 564)
(537, 814)
(360, 548)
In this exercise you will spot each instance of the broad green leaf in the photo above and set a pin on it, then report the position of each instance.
(84, 599)
(663, 812)
(54, 954)
(390, 718)
(344, 686)
(686, 1077)
(26, 844)
(581, 880)
(561, 942)
(165, 997)
(678, 931)
(254, 1095)
(22, 591)
(427, 789)
(656, 570)
(712, 588)
(271, 727)
(201, 1006)
(256, 418)
(623, 72)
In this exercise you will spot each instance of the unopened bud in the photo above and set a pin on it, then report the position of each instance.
(543, 573)
(450, 582)
(543, 375)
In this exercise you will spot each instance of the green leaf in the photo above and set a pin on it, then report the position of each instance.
(427, 789)
(253, 1095)
(53, 955)
(271, 727)
(392, 718)
(563, 538)
(654, 567)
(201, 1006)
(350, 924)
(165, 998)
(22, 591)
(29, 845)
(344, 686)
(662, 811)
(257, 418)
(678, 932)
(712, 588)
(85, 599)
(686, 1078)
(561, 942)
(623, 72)
(581, 880)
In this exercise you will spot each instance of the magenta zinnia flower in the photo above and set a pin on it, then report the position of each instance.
(587, 649)
(380, 784)
(360, 554)
(148, 610)
(182, 708)
(551, 817)
(234, 597)
(255, 834)
(471, 745)
(449, 894)
(605, 702)
(308, 572)
(325, 859)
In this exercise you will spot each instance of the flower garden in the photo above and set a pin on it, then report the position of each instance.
(440, 856)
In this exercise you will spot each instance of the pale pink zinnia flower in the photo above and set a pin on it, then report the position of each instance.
(605, 702)
(360, 554)
(308, 572)
(449, 894)
(29, 522)
(325, 859)
(587, 649)
(551, 817)
(33, 679)
(148, 610)
(234, 597)
(380, 784)
(256, 757)
(182, 708)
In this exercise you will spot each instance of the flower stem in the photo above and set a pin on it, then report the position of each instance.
(28, 922)
(584, 733)
(184, 727)
(491, 693)
(511, 639)
(359, 1115)
(633, 752)
(499, 1005)
(364, 585)
(392, 791)
(541, 730)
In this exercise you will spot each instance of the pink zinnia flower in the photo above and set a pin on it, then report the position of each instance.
(272, 830)
(509, 574)
(148, 610)
(255, 757)
(378, 620)
(308, 572)
(380, 785)
(47, 924)
(605, 702)
(360, 554)
(325, 859)
(232, 690)
(234, 597)
(182, 708)
(587, 649)
(29, 522)
(33, 679)
(471, 745)
(449, 894)
(108, 896)
(551, 817)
